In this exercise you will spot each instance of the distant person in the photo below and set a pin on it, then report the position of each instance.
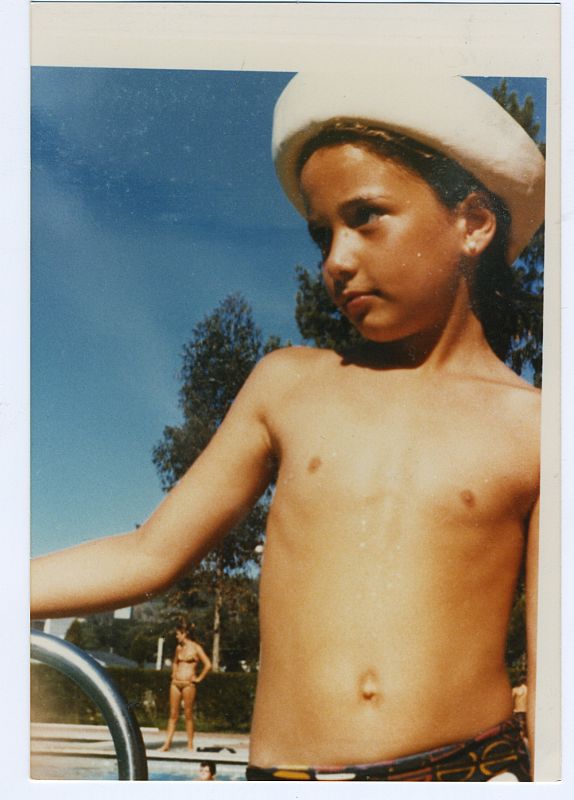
(207, 771)
(184, 679)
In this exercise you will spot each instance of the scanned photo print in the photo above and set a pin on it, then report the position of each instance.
(295, 392)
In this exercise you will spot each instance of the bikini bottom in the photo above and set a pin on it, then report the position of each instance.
(181, 685)
(497, 753)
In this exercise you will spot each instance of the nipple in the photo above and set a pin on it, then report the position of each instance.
(314, 464)
(468, 498)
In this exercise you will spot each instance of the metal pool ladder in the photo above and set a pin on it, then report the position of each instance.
(95, 682)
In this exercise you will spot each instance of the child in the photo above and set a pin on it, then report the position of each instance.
(407, 470)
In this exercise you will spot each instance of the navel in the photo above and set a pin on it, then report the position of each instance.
(314, 464)
(369, 686)
(468, 498)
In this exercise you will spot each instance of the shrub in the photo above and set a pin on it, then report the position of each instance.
(224, 700)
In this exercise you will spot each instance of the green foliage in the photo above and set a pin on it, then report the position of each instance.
(143, 647)
(317, 317)
(240, 620)
(193, 598)
(217, 360)
(523, 114)
(526, 349)
(56, 698)
(224, 701)
(102, 632)
(516, 639)
(135, 638)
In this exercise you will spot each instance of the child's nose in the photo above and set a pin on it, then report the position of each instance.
(341, 260)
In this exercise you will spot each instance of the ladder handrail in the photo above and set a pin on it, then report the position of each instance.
(95, 682)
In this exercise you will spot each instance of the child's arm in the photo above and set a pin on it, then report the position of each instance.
(531, 619)
(214, 495)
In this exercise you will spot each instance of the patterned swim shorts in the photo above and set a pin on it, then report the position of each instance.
(499, 753)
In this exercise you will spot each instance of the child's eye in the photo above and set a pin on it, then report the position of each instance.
(366, 215)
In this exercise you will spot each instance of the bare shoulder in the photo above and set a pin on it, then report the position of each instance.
(289, 365)
(515, 397)
(275, 380)
(518, 389)
(299, 354)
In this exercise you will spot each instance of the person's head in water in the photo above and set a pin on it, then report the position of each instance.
(354, 145)
(207, 771)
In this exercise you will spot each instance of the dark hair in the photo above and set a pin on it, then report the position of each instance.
(187, 628)
(493, 286)
(211, 766)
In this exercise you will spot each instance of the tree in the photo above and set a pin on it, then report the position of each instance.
(101, 632)
(143, 646)
(526, 349)
(318, 319)
(320, 322)
(195, 597)
(223, 350)
(516, 639)
(523, 114)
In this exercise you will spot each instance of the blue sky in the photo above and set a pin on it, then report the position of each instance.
(153, 198)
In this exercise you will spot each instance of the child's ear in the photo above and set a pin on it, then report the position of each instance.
(478, 222)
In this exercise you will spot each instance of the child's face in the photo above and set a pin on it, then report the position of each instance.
(391, 250)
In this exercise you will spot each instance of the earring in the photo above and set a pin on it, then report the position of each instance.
(471, 247)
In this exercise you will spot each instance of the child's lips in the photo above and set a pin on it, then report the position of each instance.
(354, 302)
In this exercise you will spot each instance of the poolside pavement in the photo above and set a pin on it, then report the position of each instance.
(96, 741)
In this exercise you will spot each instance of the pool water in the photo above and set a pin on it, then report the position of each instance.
(88, 768)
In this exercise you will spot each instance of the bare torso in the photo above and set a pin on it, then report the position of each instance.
(394, 544)
(186, 660)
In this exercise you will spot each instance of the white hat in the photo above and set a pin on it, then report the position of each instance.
(447, 113)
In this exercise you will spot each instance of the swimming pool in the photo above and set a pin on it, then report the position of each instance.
(53, 767)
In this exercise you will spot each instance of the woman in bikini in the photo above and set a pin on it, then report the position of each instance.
(184, 680)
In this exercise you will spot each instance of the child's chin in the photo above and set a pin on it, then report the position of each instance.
(378, 334)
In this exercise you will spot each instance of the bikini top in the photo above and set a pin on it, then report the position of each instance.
(189, 660)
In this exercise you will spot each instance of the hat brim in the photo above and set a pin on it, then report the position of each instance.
(447, 113)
